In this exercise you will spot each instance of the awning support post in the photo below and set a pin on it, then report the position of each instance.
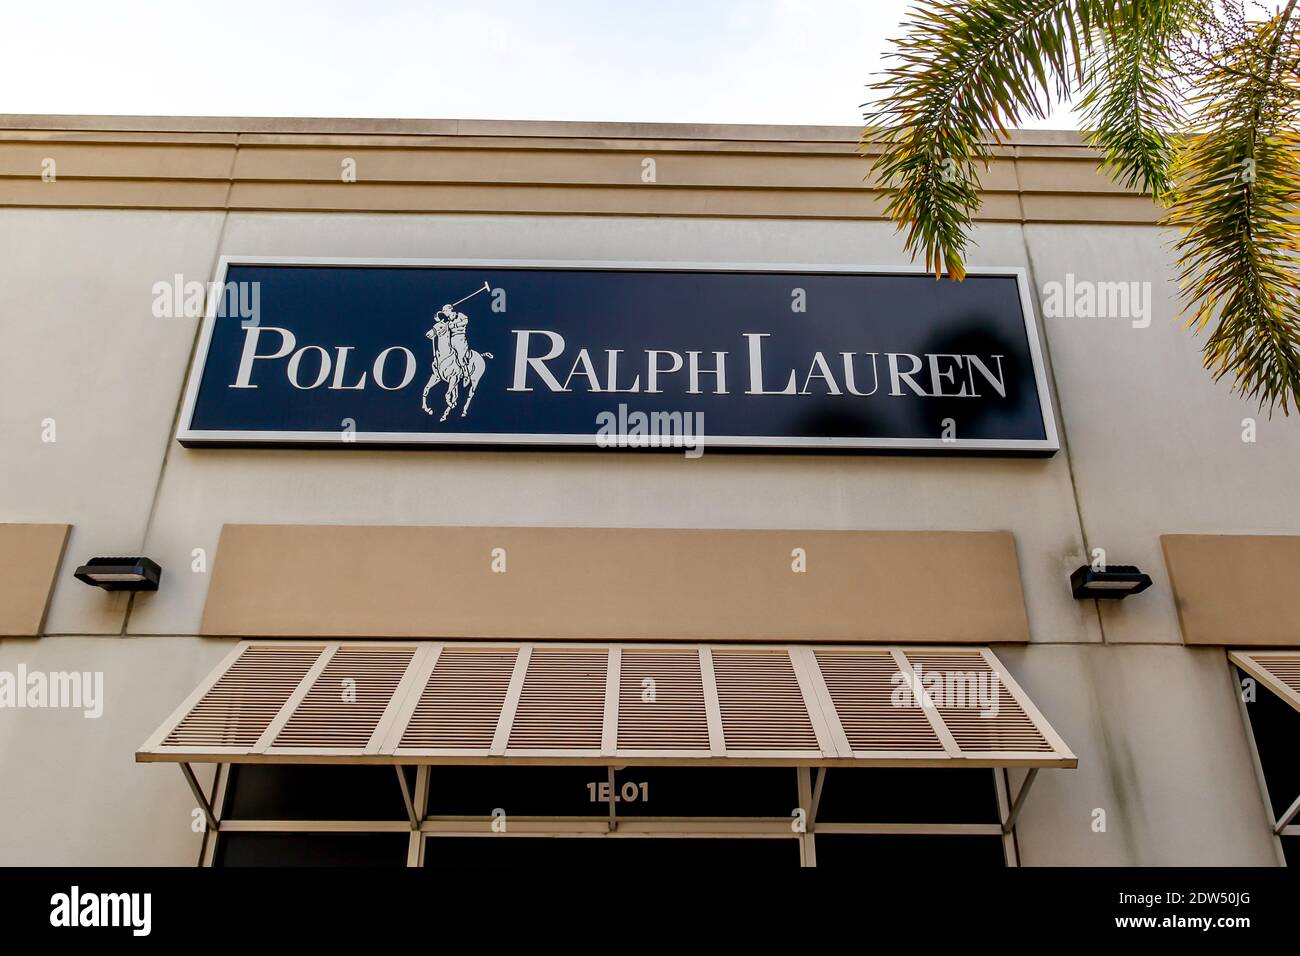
(406, 798)
(613, 817)
(1287, 817)
(816, 796)
(1009, 823)
(807, 843)
(186, 769)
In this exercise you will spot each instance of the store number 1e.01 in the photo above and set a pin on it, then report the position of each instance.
(630, 792)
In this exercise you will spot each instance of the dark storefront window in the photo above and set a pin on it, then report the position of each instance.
(909, 852)
(312, 849)
(904, 796)
(301, 794)
(1276, 726)
(640, 791)
(306, 792)
(921, 795)
(527, 853)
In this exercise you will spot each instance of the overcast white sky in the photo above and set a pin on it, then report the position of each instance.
(683, 61)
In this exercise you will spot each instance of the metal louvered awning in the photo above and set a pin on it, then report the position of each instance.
(1279, 671)
(489, 703)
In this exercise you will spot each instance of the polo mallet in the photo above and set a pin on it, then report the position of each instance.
(486, 288)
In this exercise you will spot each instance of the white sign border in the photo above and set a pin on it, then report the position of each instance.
(190, 437)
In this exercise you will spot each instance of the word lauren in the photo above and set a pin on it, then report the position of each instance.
(74, 908)
(542, 360)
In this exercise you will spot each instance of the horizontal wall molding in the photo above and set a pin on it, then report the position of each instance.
(317, 126)
(1236, 589)
(522, 168)
(30, 555)
(627, 584)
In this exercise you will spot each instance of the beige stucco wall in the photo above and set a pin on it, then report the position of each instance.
(1162, 751)
(71, 793)
(83, 349)
(1155, 445)
(1151, 446)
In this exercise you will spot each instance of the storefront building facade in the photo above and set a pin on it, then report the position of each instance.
(568, 649)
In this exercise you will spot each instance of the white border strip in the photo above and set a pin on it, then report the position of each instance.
(187, 434)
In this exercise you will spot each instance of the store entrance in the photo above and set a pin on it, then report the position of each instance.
(535, 817)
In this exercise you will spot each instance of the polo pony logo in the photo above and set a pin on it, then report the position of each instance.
(454, 362)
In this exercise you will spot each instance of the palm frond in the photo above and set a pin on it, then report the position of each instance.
(1130, 101)
(963, 70)
(1236, 198)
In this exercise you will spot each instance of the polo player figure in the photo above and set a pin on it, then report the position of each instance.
(458, 325)
(454, 362)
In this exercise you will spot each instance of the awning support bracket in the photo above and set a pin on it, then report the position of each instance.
(1018, 803)
(1287, 817)
(816, 797)
(406, 798)
(613, 796)
(204, 804)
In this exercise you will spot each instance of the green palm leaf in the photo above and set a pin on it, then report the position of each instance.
(1237, 195)
(1223, 156)
(963, 71)
(1130, 102)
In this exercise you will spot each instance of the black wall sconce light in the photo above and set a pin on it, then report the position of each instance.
(120, 574)
(1114, 582)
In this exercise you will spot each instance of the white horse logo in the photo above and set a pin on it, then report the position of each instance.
(454, 362)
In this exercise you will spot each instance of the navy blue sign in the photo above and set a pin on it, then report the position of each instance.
(470, 353)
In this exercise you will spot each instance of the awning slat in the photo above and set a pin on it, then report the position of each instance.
(510, 702)
(1279, 671)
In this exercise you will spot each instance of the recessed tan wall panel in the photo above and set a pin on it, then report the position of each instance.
(114, 193)
(1238, 589)
(539, 168)
(1067, 207)
(29, 560)
(586, 167)
(564, 200)
(101, 161)
(615, 584)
